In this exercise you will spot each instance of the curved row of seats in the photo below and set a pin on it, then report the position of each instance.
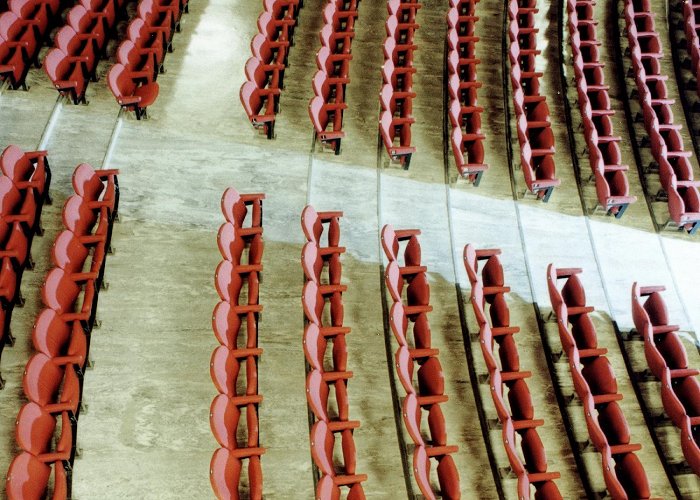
(23, 30)
(24, 188)
(140, 56)
(691, 24)
(322, 300)
(329, 82)
(595, 383)
(234, 411)
(260, 93)
(53, 377)
(79, 45)
(531, 111)
(464, 112)
(675, 169)
(396, 96)
(610, 175)
(668, 361)
(519, 415)
(410, 294)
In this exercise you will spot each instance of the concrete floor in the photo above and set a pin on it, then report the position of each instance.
(146, 433)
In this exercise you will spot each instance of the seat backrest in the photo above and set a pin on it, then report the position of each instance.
(223, 419)
(225, 473)
(27, 477)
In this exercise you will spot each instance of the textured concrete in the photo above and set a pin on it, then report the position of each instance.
(146, 433)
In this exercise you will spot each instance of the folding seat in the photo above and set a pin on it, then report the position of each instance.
(315, 342)
(264, 75)
(335, 65)
(160, 20)
(400, 78)
(78, 44)
(269, 51)
(329, 487)
(412, 408)
(24, 33)
(230, 280)
(132, 93)
(34, 432)
(398, 321)
(99, 187)
(259, 105)
(407, 359)
(469, 154)
(236, 206)
(69, 74)
(462, 22)
(142, 63)
(225, 366)
(225, 472)
(338, 41)
(528, 82)
(44, 378)
(313, 263)
(539, 175)
(14, 60)
(14, 208)
(391, 240)
(417, 289)
(391, 128)
(146, 39)
(27, 170)
(313, 300)
(232, 246)
(106, 7)
(464, 45)
(448, 476)
(28, 478)
(684, 206)
(57, 338)
(83, 20)
(398, 102)
(61, 290)
(88, 226)
(278, 29)
(539, 135)
(630, 472)
(71, 254)
(228, 319)
(340, 17)
(322, 115)
(225, 417)
(404, 11)
(463, 90)
(323, 439)
(312, 223)
(317, 395)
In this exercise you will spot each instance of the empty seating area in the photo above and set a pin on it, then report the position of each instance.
(24, 188)
(610, 175)
(517, 417)
(595, 385)
(46, 426)
(80, 44)
(327, 366)
(531, 111)
(691, 24)
(330, 81)
(233, 415)
(671, 158)
(396, 95)
(264, 70)
(462, 86)
(140, 56)
(667, 360)
(24, 27)
(407, 282)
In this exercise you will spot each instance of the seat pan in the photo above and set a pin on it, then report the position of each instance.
(148, 94)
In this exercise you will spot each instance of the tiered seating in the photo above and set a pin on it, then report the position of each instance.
(79, 45)
(612, 186)
(53, 377)
(260, 93)
(462, 85)
(23, 30)
(24, 188)
(396, 96)
(519, 415)
(675, 169)
(668, 361)
(237, 282)
(322, 299)
(410, 293)
(333, 61)
(140, 56)
(596, 386)
(531, 111)
(691, 18)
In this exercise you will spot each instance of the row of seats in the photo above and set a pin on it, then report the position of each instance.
(79, 45)
(410, 294)
(24, 188)
(333, 62)
(495, 329)
(691, 23)
(396, 96)
(140, 55)
(260, 93)
(23, 30)
(531, 111)
(234, 411)
(322, 300)
(595, 383)
(668, 361)
(464, 111)
(53, 377)
(675, 169)
(610, 175)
